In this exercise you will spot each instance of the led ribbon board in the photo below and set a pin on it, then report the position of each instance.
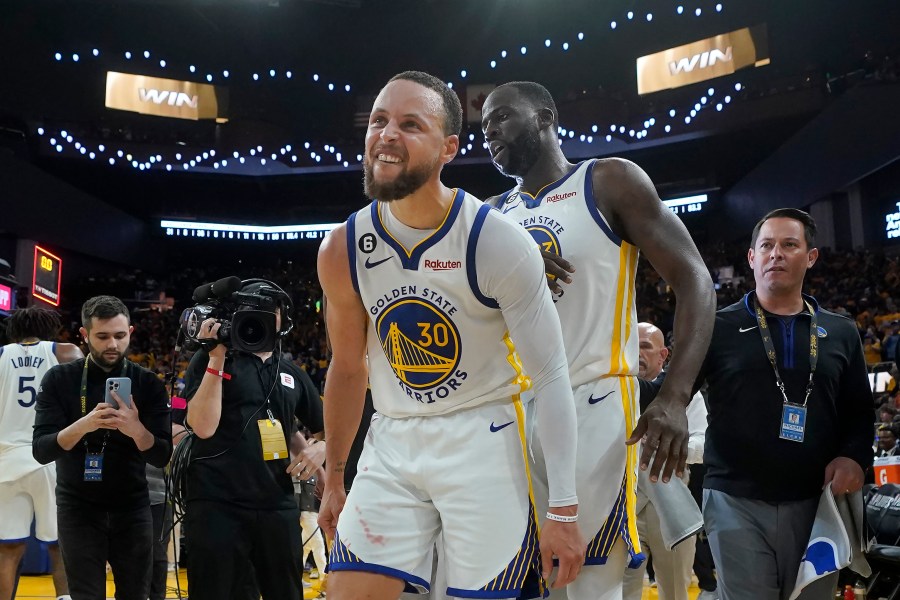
(227, 231)
(688, 204)
(702, 60)
(46, 276)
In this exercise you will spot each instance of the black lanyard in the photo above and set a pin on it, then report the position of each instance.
(84, 374)
(770, 349)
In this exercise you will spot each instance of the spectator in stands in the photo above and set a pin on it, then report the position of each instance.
(872, 348)
(313, 540)
(890, 342)
(27, 488)
(789, 412)
(887, 413)
(101, 453)
(887, 440)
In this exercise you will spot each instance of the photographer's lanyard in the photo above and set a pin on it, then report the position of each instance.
(793, 416)
(93, 461)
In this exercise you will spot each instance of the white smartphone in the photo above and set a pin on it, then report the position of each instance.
(122, 387)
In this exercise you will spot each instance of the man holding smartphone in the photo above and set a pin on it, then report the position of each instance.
(101, 452)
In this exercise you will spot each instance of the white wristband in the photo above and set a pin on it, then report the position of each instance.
(561, 518)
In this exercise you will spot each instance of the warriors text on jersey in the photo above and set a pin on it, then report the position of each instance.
(436, 341)
(22, 366)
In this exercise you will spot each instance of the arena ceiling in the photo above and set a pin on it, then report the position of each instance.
(354, 46)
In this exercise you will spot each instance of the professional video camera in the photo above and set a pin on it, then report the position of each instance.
(246, 310)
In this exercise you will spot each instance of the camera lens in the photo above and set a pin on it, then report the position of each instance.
(252, 331)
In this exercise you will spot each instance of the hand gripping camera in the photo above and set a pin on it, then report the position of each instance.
(246, 310)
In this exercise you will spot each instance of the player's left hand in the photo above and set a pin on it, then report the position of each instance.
(126, 418)
(844, 474)
(557, 269)
(663, 428)
(565, 542)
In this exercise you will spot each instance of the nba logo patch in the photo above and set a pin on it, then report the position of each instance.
(287, 380)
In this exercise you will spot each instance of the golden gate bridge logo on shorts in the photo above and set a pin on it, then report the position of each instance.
(421, 344)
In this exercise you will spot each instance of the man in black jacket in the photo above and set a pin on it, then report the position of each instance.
(790, 411)
(241, 510)
(101, 453)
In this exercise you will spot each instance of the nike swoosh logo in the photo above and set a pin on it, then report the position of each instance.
(370, 264)
(746, 329)
(592, 400)
(496, 428)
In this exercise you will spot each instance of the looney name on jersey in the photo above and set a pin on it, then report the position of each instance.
(548, 222)
(27, 361)
(411, 290)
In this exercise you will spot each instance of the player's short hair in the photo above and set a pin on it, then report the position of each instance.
(102, 307)
(809, 224)
(452, 107)
(536, 94)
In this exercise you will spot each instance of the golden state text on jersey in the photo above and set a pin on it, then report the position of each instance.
(436, 342)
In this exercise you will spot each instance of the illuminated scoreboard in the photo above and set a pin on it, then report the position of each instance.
(46, 277)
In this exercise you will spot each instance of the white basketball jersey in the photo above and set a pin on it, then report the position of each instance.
(22, 366)
(597, 310)
(436, 343)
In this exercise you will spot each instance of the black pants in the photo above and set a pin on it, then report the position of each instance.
(89, 538)
(225, 539)
(162, 531)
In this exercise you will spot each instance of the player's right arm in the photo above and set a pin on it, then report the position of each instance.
(67, 352)
(345, 386)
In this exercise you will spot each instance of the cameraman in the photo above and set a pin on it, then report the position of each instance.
(240, 504)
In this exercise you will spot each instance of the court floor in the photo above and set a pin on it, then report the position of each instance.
(41, 587)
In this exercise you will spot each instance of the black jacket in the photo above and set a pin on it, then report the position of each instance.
(229, 466)
(124, 484)
(744, 454)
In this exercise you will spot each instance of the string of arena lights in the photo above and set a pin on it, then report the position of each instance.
(289, 157)
(289, 74)
(663, 123)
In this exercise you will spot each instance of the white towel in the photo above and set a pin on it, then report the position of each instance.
(679, 516)
(836, 540)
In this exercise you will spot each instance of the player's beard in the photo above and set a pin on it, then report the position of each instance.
(404, 184)
(522, 153)
(103, 360)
